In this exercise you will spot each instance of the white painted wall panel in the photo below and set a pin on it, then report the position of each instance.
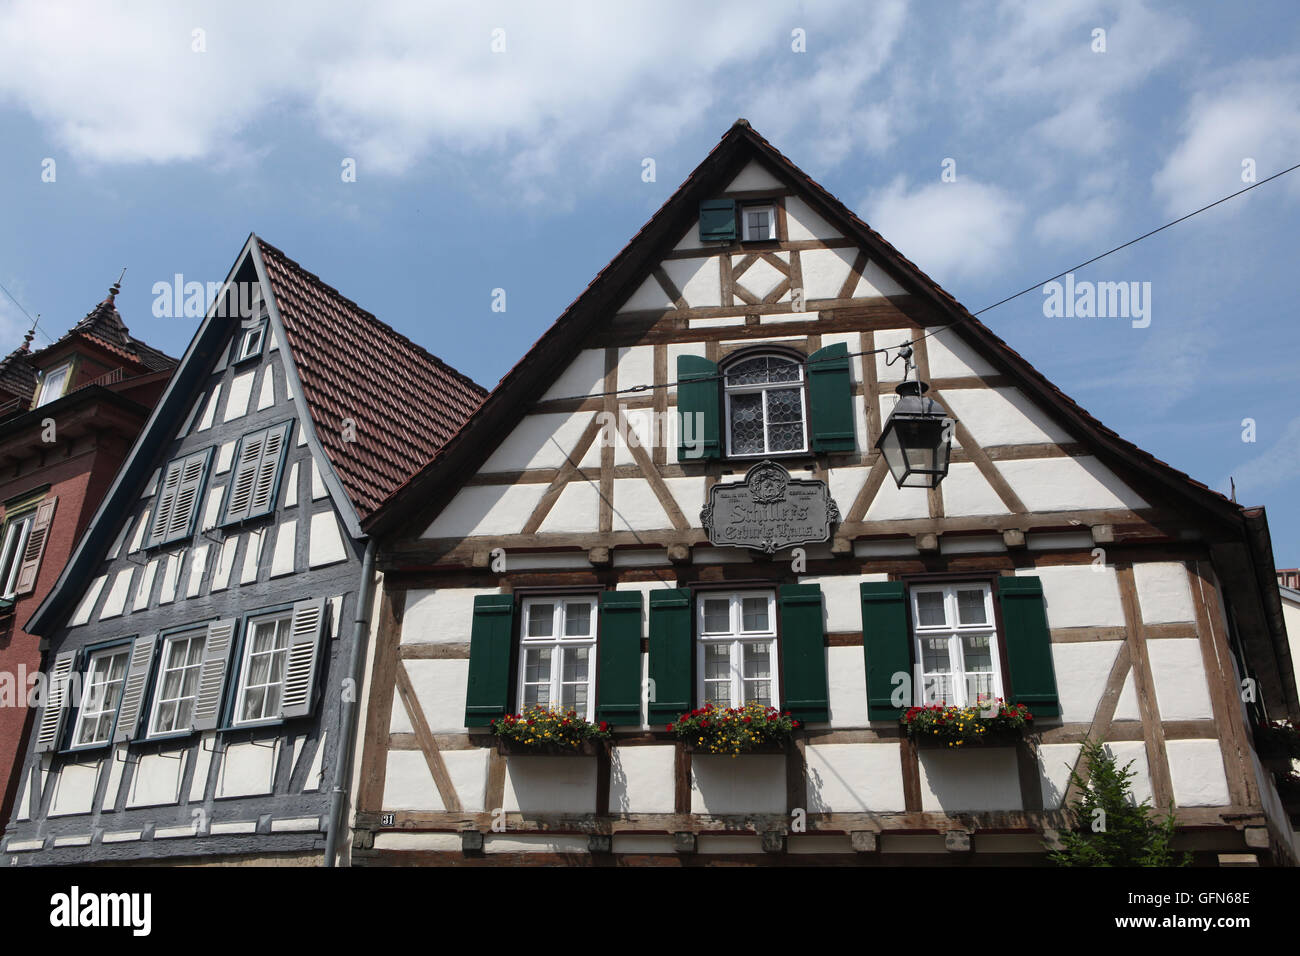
(212, 508)
(875, 282)
(442, 616)
(241, 390)
(408, 785)
(171, 576)
(157, 780)
(247, 769)
(318, 490)
(584, 375)
(1002, 416)
(636, 366)
(198, 566)
(854, 778)
(266, 397)
(1080, 595)
(648, 296)
(225, 456)
(967, 492)
(1164, 592)
(485, 510)
(750, 784)
(225, 563)
(1081, 673)
(1054, 763)
(115, 603)
(1067, 484)
(986, 778)
(697, 280)
(1178, 671)
(641, 780)
(636, 508)
(210, 410)
(892, 502)
(1197, 774)
(74, 788)
(468, 772)
(82, 614)
(286, 538)
(252, 557)
(802, 223)
(753, 177)
(440, 688)
(146, 586)
(1135, 751)
(824, 271)
(950, 357)
(577, 510)
(1126, 708)
(847, 686)
(326, 543)
(550, 785)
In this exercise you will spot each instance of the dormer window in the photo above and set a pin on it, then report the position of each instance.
(54, 383)
(250, 344)
(765, 406)
(757, 222)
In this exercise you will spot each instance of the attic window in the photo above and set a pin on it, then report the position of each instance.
(758, 222)
(53, 384)
(250, 345)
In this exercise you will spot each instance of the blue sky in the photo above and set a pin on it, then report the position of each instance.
(521, 168)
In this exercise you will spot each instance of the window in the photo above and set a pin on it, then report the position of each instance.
(758, 222)
(178, 682)
(101, 696)
(261, 682)
(258, 461)
(16, 532)
(765, 406)
(178, 498)
(557, 654)
(956, 644)
(250, 343)
(736, 660)
(53, 384)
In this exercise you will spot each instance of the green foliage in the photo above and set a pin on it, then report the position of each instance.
(1110, 829)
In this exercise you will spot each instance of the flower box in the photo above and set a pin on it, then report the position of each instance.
(734, 731)
(766, 747)
(541, 732)
(514, 748)
(992, 738)
(988, 723)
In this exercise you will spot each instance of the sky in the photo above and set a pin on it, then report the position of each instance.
(419, 156)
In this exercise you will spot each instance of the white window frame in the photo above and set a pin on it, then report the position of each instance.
(955, 632)
(252, 342)
(165, 667)
(736, 637)
(728, 390)
(17, 530)
(277, 618)
(745, 234)
(560, 645)
(107, 654)
(44, 396)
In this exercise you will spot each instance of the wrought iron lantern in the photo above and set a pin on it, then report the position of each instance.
(917, 439)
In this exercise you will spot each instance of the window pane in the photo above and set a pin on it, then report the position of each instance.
(717, 662)
(929, 609)
(541, 617)
(785, 437)
(754, 614)
(746, 423)
(783, 405)
(783, 370)
(934, 655)
(577, 619)
(718, 693)
(575, 665)
(717, 615)
(537, 665)
(751, 372)
(970, 607)
(758, 660)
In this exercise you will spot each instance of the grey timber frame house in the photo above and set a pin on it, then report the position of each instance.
(199, 641)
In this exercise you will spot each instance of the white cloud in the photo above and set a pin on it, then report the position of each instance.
(1078, 223)
(950, 230)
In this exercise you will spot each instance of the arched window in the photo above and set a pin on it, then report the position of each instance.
(765, 407)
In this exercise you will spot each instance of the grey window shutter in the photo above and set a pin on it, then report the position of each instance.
(304, 652)
(36, 546)
(166, 503)
(186, 504)
(245, 477)
(137, 678)
(212, 674)
(268, 470)
(56, 703)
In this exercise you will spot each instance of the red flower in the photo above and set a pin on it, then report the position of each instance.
(748, 720)
(604, 725)
(704, 723)
(670, 728)
(794, 723)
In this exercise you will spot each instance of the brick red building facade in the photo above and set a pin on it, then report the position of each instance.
(69, 415)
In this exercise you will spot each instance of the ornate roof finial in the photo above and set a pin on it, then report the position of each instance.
(116, 287)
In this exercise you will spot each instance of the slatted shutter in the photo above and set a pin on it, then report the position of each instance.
(887, 645)
(36, 546)
(303, 659)
(670, 654)
(50, 728)
(1029, 645)
(618, 674)
(133, 688)
(830, 399)
(697, 409)
(717, 220)
(166, 503)
(212, 674)
(240, 497)
(268, 471)
(186, 504)
(803, 652)
(491, 651)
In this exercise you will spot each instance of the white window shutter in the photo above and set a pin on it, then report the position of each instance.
(268, 469)
(137, 677)
(212, 674)
(56, 703)
(36, 546)
(304, 653)
(241, 485)
(166, 502)
(186, 501)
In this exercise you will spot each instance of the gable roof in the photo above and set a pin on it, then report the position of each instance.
(404, 402)
(103, 326)
(525, 382)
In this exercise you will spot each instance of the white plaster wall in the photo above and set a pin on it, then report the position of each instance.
(760, 278)
(698, 349)
(116, 600)
(636, 508)
(950, 357)
(74, 788)
(641, 780)
(325, 544)
(1081, 672)
(241, 389)
(247, 770)
(1178, 671)
(751, 784)
(1133, 750)
(543, 441)
(485, 510)
(1197, 774)
(967, 492)
(468, 772)
(753, 177)
(892, 502)
(984, 778)
(636, 365)
(1054, 763)
(1001, 416)
(846, 686)
(1126, 708)
(285, 542)
(854, 778)
(441, 616)
(802, 223)
(689, 495)
(844, 484)
(408, 785)
(577, 510)
(1164, 592)
(1080, 595)
(697, 280)
(890, 339)
(1067, 484)
(550, 785)
(875, 282)
(584, 375)
(82, 614)
(494, 843)
(157, 780)
(841, 599)
(824, 271)
(440, 688)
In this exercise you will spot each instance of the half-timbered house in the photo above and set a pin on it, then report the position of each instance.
(200, 641)
(564, 549)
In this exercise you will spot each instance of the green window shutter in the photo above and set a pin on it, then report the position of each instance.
(803, 652)
(717, 220)
(670, 654)
(618, 671)
(491, 647)
(1029, 645)
(830, 397)
(886, 643)
(697, 409)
